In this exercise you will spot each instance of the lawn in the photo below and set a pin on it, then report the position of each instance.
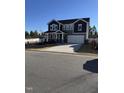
(86, 48)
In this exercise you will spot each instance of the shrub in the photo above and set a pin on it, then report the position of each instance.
(94, 45)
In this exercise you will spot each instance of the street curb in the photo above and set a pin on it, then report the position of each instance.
(86, 54)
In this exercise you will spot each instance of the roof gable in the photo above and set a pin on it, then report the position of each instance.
(54, 21)
(69, 21)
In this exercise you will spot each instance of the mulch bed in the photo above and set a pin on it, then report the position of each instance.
(29, 46)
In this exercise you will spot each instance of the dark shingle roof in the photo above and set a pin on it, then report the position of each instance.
(68, 21)
(53, 31)
(86, 19)
(49, 31)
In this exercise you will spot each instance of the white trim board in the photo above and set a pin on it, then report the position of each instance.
(79, 20)
(56, 21)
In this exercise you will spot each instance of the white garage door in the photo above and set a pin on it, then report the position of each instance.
(76, 39)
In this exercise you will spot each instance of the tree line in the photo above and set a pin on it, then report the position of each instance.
(31, 34)
(35, 34)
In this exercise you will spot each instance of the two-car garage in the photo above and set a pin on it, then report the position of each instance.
(79, 39)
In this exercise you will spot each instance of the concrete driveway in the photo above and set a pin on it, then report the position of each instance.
(67, 48)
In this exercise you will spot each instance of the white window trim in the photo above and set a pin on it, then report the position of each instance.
(79, 27)
(68, 27)
(53, 27)
(64, 27)
(79, 20)
(56, 21)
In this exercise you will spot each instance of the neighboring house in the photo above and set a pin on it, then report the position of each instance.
(93, 35)
(69, 31)
(93, 31)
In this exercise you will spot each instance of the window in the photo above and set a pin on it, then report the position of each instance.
(64, 27)
(79, 27)
(53, 27)
(68, 27)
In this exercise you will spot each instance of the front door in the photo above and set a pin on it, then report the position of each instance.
(59, 38)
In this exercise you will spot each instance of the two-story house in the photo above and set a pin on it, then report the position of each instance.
(69, 31)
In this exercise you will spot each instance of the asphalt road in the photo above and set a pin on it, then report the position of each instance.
(58, 73)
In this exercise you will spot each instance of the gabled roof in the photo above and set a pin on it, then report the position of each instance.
(68, 21)
(55, 21)
(60, 31)
(53, 31)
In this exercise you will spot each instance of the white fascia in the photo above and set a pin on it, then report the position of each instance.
(87, 28)
(56, 21)
(87, 31)
(58, 30)
(79, 20)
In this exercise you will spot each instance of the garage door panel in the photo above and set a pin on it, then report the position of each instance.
(76, 39)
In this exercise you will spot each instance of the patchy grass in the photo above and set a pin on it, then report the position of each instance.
(86, 48)
(36, 46)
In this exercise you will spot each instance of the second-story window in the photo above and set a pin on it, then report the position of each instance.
(64, 27)
(79, 27)
(53, 27)
(68, 27)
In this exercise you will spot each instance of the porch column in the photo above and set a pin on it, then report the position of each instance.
(47, 37)
(62, 37)
(56, 36)
(87, 31)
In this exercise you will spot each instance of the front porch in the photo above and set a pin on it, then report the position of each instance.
(56, 37)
